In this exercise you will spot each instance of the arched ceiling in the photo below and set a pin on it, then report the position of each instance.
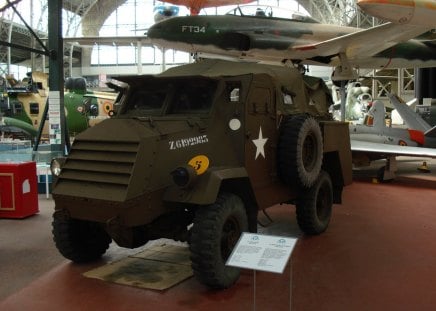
(340, 12)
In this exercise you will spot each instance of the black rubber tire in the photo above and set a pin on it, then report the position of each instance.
(314, 206)
(216, 231)
(300, 151)
(79, 240)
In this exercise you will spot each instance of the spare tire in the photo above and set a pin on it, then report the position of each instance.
(299, 151)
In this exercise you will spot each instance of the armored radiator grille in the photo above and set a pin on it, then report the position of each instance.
(98, 169)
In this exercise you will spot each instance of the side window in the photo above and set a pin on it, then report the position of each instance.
(18, 108)
(233, 91)
(34, 108)
(288, 96)
(287, 99)
(234, 95)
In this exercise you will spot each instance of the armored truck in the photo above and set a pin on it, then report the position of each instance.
(193, 154)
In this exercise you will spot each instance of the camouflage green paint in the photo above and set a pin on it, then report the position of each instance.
(120, 172)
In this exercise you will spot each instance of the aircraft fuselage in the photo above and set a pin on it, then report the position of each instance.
(277, 40)
(245, 37)
(391, 136)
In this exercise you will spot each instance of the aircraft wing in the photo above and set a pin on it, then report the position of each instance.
(385, 149)
(364, 43)
(110, 41)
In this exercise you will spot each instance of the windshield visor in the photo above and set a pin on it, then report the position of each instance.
(163, 96)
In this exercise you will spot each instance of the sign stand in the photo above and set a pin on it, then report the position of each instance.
(290, 284)
(254, 290)
(264, 253)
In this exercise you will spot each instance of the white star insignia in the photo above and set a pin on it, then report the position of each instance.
(260, 144)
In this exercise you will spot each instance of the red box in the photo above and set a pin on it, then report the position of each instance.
(18, 190)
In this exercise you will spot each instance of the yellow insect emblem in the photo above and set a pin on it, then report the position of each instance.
(200, 163)
(107, 106)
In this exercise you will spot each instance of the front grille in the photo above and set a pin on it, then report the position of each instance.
(98, 169)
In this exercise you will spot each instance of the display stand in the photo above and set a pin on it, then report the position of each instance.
(18, 190)
(290, 287)
(43, 169)
(264, 253)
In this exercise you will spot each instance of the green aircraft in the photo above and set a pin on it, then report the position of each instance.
(85, 108)
(264, 33)
(22, 105)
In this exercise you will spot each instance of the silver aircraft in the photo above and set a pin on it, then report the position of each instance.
(375, 140)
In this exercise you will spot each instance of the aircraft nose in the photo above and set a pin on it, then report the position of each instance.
(163, 29)
(168, 30)
(155, 31)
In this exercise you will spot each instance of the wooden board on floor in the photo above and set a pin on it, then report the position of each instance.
(158, 267)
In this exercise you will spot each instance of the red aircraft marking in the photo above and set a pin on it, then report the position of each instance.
(196, 5)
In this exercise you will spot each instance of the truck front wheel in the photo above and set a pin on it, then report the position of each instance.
(79, 240)
(216, 231)
(314, 206)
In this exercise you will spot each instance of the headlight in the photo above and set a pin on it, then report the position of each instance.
(184, 177)
(56, 166)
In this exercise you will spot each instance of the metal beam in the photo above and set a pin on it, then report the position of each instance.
(25, 48)
(28, 27)
(57, 128)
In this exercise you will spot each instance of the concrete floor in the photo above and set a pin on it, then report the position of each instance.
(378, 254)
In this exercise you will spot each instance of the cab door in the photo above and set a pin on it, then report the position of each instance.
(261, 135)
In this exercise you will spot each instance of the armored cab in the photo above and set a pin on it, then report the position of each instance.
(192, 154)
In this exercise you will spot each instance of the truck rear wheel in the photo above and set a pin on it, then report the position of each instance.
(79, 240)
(314, 206)
(216, 231)
(300, 151)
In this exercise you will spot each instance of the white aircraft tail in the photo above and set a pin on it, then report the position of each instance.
(377, 112)
(412, 119)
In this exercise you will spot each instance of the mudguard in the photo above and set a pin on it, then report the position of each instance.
(206, 188)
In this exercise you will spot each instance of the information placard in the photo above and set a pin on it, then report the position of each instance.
(54, 117)
(262, 252)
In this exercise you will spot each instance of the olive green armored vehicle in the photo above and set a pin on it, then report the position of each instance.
(193, 154)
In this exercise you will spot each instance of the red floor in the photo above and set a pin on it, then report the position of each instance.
(378, 254)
